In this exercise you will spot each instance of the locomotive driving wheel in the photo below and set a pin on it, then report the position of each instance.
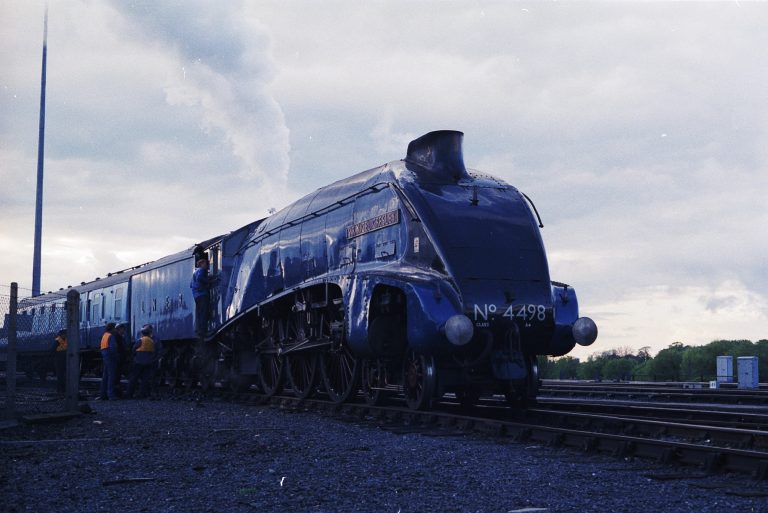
(419, 380)
(270, 362)
(301, 366)
(302, 373)
(340, 370)
(271, 374)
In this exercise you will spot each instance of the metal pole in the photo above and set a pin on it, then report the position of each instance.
(40, 146)
(10, 365)
(73, 350)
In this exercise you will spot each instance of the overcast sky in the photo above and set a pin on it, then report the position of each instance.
(638, 129)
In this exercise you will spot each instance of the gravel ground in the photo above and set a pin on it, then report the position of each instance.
(175, 455)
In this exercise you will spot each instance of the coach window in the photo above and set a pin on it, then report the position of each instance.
(97, 314)
(118, 303)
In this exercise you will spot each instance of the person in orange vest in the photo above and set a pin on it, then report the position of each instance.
(60, 360)
(109, 363)
(144, 363)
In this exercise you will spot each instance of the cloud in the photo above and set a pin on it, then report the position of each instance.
(139, 157)
(224, 72)
(638, 129)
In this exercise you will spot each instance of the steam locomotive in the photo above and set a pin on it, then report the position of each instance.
(416, 278)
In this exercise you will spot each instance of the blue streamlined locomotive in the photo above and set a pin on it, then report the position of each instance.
(418, 277)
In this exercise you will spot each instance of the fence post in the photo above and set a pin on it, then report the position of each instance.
(10, 364)
(73, 349)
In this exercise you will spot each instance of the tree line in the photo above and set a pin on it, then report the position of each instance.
(678, 362)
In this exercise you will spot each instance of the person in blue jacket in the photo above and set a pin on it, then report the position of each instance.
(109, 358)
(201, 284)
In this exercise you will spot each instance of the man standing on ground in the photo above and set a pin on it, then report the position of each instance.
(144, 364)
(109, 363)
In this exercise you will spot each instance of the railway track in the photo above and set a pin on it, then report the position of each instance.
(711, 415)
(684, 392)
(715, 440)
(644, 384)
(711, 448)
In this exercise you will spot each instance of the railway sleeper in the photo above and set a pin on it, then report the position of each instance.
(713, 462)
(666, 455)
(761, 472)
(489, 428)
(590, 444)
(621, 448)
(519, 433)
(554, 439)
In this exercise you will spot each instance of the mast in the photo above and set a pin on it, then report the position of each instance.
(40, 147)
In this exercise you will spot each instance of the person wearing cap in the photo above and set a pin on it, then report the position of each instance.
(108, 348)
(60, 360)
(201, 284)
(144, 363)
(199, 253)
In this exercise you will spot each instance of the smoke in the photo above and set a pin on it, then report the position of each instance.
(224, 69)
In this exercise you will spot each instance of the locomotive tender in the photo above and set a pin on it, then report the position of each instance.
(418, 277)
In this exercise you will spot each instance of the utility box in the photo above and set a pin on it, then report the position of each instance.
(748, 377)
(725, 369)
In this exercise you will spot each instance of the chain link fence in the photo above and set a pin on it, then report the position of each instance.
(39, 345)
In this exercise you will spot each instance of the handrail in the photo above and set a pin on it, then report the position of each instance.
(541, 225)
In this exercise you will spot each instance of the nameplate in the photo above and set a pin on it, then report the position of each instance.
(371, 225)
